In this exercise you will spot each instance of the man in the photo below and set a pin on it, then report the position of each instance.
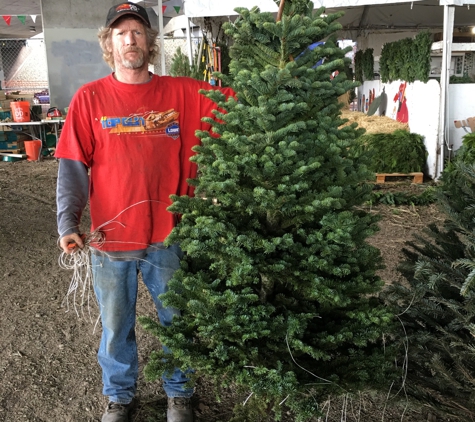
(132, 131)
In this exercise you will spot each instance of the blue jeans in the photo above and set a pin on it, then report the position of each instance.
(116, 285)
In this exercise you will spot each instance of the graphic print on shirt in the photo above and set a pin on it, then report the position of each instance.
(148, 123)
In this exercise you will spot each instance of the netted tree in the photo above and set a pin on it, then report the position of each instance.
(278, 288)
(436, 306)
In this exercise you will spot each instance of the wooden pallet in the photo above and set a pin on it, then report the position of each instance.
(417, 177)
(12, 151)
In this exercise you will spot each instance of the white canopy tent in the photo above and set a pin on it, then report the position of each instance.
(209, 8)
(362, 17)
(371, 14)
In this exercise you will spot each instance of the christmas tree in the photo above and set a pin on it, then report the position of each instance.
(181, 66)
(436, 306)
(278, 287)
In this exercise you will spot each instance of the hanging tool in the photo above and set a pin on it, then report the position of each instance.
(200, 52)
(218, 49)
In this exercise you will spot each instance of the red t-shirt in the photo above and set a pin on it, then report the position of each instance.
(136, 139)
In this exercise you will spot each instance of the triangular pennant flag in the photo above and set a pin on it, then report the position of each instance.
(22, 19)
(164, 8)
(33, 18)
(177, 9)
(7, 19)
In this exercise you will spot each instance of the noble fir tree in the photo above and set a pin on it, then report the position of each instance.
(278, 286)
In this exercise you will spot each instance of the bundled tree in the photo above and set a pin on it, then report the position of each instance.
(278, 286)
(436, 307)
(399, 151)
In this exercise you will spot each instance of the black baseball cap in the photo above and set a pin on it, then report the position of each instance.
(127, 8)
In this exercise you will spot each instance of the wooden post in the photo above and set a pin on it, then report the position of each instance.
(281, 10)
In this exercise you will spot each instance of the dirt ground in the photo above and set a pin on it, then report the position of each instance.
(48, 367)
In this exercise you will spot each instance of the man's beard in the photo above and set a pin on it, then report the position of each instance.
(131, 64)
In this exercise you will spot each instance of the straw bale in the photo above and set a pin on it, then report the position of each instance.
(373, 124)
(345, 100)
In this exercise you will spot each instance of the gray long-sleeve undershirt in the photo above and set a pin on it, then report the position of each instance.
(72, 193)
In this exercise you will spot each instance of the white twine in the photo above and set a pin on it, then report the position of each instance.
(79, 262)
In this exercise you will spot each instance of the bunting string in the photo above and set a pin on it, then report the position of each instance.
(175, 5)
(21, 18)
(164, 8)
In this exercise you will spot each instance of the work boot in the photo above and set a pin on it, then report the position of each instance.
(179, 410)
(117, 412)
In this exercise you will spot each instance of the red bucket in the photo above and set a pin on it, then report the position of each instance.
(20, 111)
(33, 150)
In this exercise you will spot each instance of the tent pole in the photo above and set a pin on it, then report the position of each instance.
(162, 43)
(188, 41)
(449, 12)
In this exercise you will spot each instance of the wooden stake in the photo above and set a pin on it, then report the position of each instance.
(281, 10)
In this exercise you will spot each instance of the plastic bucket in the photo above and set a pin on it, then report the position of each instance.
(33, 150)
(20, 111)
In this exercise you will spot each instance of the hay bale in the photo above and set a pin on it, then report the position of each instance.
(373, 124)
(345, 100)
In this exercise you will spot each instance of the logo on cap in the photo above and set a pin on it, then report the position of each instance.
(130, 7)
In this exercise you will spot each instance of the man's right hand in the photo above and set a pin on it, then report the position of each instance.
(71, 242)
